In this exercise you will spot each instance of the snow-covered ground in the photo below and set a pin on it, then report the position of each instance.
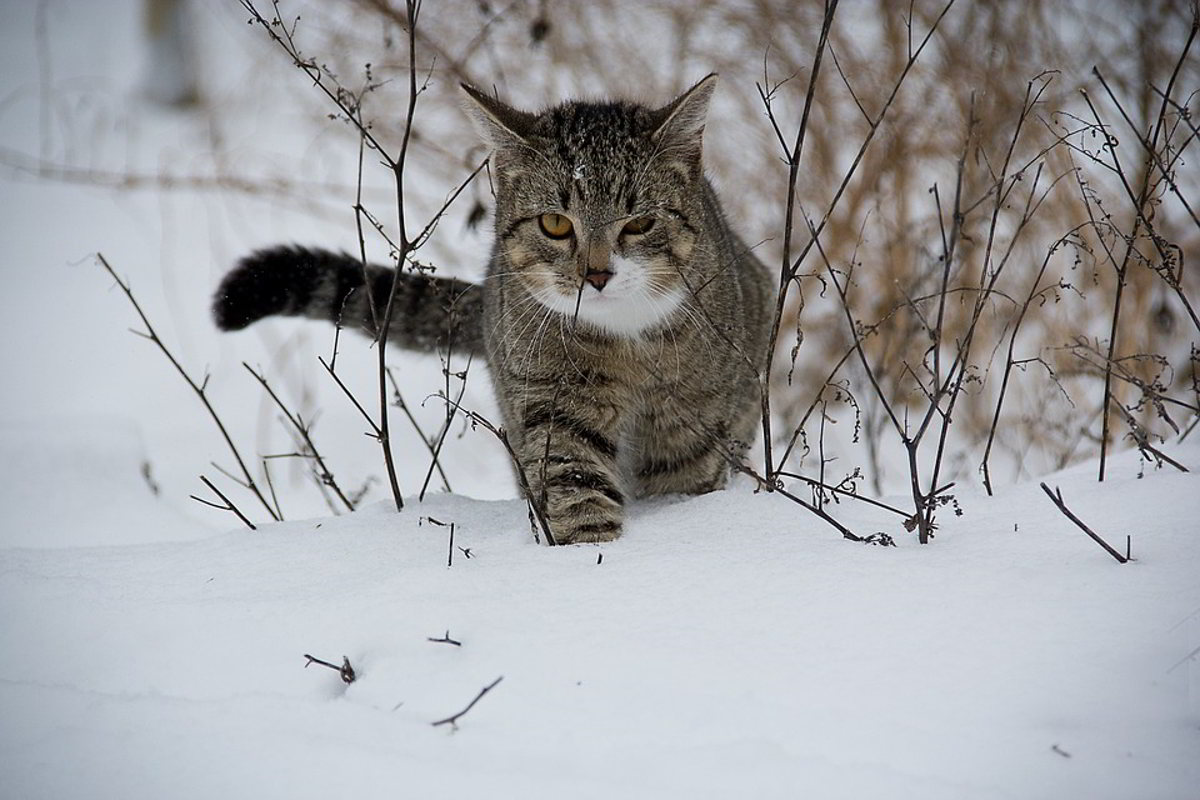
(728, 646)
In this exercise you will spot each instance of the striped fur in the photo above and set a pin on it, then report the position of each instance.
(429, 313)
(625, 353)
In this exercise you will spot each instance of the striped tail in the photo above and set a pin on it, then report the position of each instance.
(429, 314)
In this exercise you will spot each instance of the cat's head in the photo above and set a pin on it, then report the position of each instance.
(598, 205)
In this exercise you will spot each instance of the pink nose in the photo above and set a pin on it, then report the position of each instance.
(598, 278)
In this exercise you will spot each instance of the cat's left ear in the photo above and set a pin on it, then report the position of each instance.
(680, 123)
(499, 125)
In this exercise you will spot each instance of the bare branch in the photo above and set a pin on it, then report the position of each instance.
(345, 671)
(199, 389)
(1056, 498)
(229, 506)
(452, 721)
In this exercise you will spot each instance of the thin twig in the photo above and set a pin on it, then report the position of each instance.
(444, 639)
(837, 490)
(398, 401)
(536, 508)
(349, 394)
(1056, 498)
(345, 671)
(440, 439)
(229, 506)
(199, 389)
(324, 475)
(452, 721)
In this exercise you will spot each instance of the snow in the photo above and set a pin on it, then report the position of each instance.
(727, 645)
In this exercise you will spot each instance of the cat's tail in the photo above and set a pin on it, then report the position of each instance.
(429, 314)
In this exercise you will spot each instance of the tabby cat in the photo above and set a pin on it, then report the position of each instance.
(624, 323)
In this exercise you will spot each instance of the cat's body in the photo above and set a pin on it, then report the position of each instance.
(623, 322)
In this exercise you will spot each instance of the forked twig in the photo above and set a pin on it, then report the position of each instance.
(444, 639)
(1056, 498)
(452, 721)
(229, 506)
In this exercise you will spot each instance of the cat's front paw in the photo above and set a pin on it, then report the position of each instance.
(586, 532)
(580, 499)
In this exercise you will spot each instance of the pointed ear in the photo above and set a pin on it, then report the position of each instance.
(680, 123)
(500, 126)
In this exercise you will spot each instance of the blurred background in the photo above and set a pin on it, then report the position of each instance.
(174, 137)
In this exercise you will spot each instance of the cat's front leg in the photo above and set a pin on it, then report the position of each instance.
(569, 455)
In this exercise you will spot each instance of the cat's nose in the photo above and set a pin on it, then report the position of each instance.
(598, 278)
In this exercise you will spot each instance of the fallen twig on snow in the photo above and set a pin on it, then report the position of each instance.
(453, 721)
(450, 525)
(1056, 497)
(345, 670)
(444, 639)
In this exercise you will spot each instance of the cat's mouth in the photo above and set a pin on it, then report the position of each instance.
(621, 308)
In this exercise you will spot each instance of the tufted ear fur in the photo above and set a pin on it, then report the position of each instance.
(680, 123)
(499, 125)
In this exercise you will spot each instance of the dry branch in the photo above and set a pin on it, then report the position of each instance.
(435, 459)
(1056, 498)
(452, 721)
(321, 471)
(444, 639)
(537, 515)
(345, 671)
(229, 506)
(200, 389)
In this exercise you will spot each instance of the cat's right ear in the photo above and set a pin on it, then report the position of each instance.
(680, 123)
(500, 126)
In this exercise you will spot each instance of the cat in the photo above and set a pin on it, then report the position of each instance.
(623, 322)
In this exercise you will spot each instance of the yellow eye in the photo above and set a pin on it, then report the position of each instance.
(556, 226)
(638, 226)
